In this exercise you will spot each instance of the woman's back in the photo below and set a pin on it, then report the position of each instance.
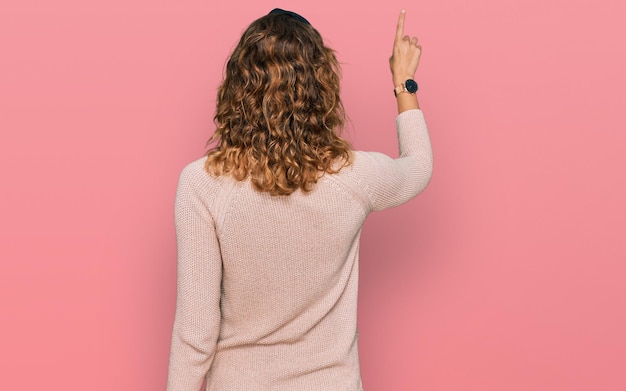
(288, 295)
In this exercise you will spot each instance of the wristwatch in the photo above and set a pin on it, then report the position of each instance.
(409, 86)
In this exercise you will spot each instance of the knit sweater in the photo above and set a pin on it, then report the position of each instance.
(267, 285)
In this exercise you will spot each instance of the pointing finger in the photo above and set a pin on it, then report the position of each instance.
(400, 27)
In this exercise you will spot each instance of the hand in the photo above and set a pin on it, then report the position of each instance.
(406, 54)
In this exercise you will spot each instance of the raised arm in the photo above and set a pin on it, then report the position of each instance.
(392, 182)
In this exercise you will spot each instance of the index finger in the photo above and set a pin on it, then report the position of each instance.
(400, 26)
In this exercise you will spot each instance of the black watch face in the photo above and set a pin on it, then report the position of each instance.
(411, 86)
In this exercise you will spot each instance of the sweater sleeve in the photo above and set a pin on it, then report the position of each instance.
(391, 182)
(199, 273)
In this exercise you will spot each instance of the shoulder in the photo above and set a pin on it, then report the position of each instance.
(194, 171)
(359, 176)
(195, 178)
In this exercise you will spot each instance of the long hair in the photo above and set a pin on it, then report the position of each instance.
(279, 114)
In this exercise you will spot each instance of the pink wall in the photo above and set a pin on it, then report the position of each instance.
(506, 274)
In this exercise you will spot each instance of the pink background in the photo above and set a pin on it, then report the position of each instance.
(506, 274)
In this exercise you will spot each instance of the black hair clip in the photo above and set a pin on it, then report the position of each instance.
(278, 11)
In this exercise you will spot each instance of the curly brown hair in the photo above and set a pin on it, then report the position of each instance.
(279, 114)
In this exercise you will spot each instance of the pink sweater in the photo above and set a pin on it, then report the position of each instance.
(267, 286)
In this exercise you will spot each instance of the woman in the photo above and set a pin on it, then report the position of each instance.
(268, 223)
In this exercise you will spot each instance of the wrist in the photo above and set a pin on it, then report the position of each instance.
(399, 80)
